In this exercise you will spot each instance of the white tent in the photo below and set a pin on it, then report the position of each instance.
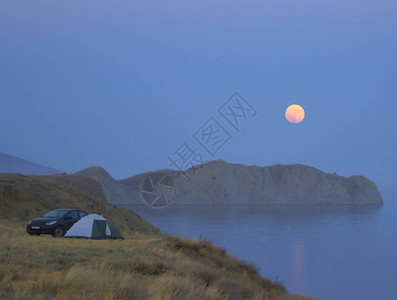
(94, 226)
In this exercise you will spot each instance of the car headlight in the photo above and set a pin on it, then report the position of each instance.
(51, 223)
(30, 221)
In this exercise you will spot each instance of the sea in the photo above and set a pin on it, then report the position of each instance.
(326, 252)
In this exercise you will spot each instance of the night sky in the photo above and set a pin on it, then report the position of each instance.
(124, 84)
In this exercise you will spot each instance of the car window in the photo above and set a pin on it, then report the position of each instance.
(74, 215)
(58, 213)
(82, 214)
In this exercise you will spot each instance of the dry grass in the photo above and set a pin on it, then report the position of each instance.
(25, 197)
(146, 265)
(140, 267)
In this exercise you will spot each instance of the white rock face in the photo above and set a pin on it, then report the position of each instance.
(224, 183)
(114, 191)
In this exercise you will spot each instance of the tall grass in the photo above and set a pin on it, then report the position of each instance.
(140, 267)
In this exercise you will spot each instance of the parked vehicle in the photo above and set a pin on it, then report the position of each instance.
(56, 222)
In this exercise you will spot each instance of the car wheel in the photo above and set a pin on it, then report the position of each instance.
(59, 232)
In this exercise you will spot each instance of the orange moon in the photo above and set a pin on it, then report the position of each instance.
(295, 114)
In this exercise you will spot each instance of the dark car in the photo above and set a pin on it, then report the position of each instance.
(55, 222)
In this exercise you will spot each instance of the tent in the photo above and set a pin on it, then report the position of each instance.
(94, 226)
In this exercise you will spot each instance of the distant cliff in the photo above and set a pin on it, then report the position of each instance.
(219, 182)
(114, 191)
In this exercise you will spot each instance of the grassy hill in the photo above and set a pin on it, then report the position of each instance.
(146, 265)
(25, 197)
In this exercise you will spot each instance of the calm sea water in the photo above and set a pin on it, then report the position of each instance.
(341, 252)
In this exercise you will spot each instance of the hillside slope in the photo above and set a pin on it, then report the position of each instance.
(146, 265)
(25, 197)
(142, 268)
(83, 184)
(12, 164)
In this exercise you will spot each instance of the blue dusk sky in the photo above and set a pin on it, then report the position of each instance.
(123, 84)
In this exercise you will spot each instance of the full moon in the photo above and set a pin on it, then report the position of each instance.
(295, 114)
